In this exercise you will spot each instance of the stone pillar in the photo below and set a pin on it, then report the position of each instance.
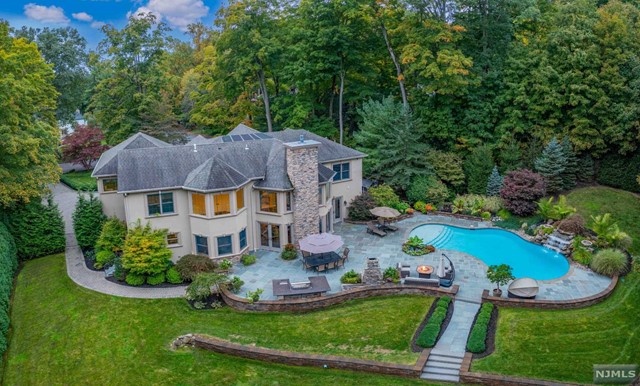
(302, 168)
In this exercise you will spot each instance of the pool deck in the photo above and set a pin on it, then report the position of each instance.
(470, 271)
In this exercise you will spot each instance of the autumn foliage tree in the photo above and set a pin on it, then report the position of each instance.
(520, 191)
(84, 145)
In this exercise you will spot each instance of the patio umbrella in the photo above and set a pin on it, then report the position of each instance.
(524, 287)
(321, 243)
(440, 271)
(384, 211)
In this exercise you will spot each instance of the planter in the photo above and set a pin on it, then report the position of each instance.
(497, 292)
(586, 243)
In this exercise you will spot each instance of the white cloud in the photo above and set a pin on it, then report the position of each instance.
(97, 24)
(51, 14)
(178, 13)
(82, 16)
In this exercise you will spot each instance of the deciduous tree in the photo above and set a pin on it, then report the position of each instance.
(84, 145)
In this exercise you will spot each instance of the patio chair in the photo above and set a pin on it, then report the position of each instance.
(340, 263)
(331, 265)
(345, 254)
(372, 229)
(305, 254)
(321, 267)
(382, 224)
(306, 265)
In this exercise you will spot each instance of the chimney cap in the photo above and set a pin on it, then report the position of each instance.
(302, 144)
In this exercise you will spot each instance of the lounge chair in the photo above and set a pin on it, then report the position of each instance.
(382, 224)
(372, 229)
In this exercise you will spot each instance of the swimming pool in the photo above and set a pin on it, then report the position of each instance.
(496, 246)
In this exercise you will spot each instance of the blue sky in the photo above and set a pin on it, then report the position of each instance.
(89, 15)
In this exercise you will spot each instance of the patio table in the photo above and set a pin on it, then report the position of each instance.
(322, 259)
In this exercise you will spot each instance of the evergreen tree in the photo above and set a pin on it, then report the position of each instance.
(494, 184)
(477, 168)
(88, 220)
(571, 168)
(551, 164)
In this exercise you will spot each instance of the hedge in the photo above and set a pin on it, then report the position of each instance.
(8, 266)
(477, 342)
(88, 220)
(37, 228)
(429, 334)
(619, 172)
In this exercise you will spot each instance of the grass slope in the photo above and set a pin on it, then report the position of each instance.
(64, 334)
(563, 345)
(623, 206)
(80, 181)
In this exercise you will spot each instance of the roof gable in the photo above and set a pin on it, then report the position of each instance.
(108, 163)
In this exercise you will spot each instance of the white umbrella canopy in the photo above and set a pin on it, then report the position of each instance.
(384, 211)
(524, 287)
(441, 271)
(321, 243)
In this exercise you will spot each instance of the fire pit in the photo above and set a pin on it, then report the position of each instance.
(424, 271)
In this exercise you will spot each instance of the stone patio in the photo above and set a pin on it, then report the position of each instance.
(470, 272)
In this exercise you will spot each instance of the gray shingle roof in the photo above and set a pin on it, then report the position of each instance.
(198, 140)
(107, 165)
(143, 163)
(215, 174)
(242, 129)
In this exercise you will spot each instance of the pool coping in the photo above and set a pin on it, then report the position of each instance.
(548, 281)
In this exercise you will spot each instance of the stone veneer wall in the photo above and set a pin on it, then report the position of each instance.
(313, 360)
(314, 303)
(302, 168)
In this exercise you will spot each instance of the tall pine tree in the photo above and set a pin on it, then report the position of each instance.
(571, 168)
(551, 164)
(494, 184)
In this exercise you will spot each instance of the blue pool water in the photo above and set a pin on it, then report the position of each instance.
(496, 246)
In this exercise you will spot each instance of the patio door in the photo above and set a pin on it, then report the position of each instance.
(269, 235)
(337, 209)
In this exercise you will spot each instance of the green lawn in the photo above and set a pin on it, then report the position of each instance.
(563, 345)
(623, 206)
(64, 334)
(80, 180)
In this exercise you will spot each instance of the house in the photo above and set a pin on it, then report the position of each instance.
(224, 196)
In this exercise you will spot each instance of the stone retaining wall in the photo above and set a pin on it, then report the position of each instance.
(308, 304)
(551, 304)
(470, 377)
(312, 360)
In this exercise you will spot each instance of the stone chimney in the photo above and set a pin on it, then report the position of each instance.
(302, 168)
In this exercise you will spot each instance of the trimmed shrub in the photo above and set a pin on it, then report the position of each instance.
(145, 250)
(619, 172)
(609, 262)
(477, 342)
(431, 330)
(156, 279)
(248, 259)
(289, 252)
(428, 189)
(173, 276)
(8, 265)
(135, 279)
(391, 274)
(37, 228)
(189, 266)
(360, 206)
(204, 285)
(520, 191)
(235, 284)
(383, 195)
(573, 224)
(104, 258)
(351, 277)
(112, 236)
(88, 220)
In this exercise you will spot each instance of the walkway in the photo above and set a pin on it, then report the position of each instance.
(446, 357)
(66, 199)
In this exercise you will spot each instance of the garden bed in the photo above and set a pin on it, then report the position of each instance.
(145, 285)
(443, 327)
(490, 339)
(89, 262)
(211, 302)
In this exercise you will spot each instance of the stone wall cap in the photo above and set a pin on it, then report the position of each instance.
(301, 145)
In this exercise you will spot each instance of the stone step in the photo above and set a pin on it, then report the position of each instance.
(440, 370)
(448, 365)
(442, 358)
(440, 377)
(446, 353)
